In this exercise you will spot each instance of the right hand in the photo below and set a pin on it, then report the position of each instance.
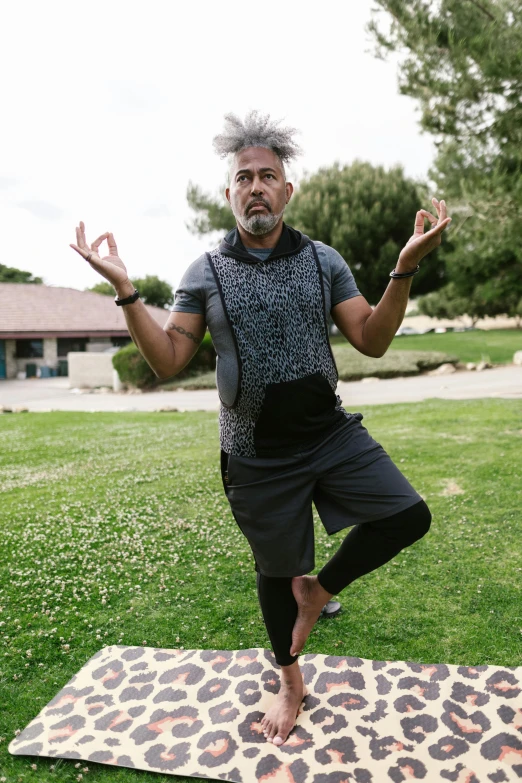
(110, 267)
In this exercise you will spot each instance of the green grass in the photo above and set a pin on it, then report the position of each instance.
(351, 365)
(407, 355)
(115, 529)
(495, 345)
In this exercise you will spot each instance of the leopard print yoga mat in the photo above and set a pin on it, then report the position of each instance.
(196, 713)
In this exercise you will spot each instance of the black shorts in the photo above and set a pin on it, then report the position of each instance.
(348, 477)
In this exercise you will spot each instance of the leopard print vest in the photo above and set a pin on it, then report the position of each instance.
(287, 372)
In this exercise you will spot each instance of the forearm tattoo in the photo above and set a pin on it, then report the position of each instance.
(181, 330)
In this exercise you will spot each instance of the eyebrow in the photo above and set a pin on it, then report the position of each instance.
(249, 171)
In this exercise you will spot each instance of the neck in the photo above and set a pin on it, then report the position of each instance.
(261, 240)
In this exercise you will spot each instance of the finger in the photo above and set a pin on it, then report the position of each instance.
(441, 208)
(79, 238)
(84, 252)
(97, 242)
(113, 250)
(81, 235)
(419, 221)
(439, 227)
(427, 214)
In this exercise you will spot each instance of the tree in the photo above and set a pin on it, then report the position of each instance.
(153, 291)
(102, 288)
(213, 213)
(9, 274)
(366, 213)
(447, 303)
(463, 64)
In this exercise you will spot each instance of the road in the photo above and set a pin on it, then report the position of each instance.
(45, 394)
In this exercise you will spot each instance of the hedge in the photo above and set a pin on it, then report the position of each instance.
(135, 371)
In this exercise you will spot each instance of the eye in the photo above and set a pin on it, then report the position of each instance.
(241, 177)
(270, 175)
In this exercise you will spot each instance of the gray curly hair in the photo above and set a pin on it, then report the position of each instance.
(256, 131)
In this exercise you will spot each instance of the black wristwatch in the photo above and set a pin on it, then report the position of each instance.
(129, 299)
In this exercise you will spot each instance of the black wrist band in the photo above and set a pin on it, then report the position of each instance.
(393, 273)
(129, 299)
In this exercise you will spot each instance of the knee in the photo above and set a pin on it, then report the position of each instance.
(421, 519)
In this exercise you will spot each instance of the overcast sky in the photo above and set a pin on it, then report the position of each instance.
(110, 108)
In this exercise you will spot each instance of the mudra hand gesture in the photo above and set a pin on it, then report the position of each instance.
(110, 267)
(420, 244)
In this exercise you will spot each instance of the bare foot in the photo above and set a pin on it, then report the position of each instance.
(280, 718)
(311, 598)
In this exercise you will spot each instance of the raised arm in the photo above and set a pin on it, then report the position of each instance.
(166, 350)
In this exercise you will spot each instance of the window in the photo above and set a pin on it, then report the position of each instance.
(66, 344)
(120, 341)
(29, 349)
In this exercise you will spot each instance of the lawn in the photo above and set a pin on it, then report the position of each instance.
(351, 366)
(407, 355)
(116, 529)
(494, 345)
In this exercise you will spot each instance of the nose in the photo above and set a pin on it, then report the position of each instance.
(257, 186)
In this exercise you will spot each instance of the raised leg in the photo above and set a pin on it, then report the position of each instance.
(368, 546)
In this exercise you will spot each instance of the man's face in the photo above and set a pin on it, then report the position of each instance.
(258, 193)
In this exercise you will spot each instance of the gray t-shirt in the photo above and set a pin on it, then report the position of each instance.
(198, 293)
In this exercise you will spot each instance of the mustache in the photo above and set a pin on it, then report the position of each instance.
(258, 202)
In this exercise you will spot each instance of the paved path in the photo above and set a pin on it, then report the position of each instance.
(44, 394)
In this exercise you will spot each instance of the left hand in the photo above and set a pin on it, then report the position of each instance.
(420, 244)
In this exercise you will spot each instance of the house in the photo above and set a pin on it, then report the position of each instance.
(40, 324)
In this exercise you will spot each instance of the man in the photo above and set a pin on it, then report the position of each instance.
(286, 441)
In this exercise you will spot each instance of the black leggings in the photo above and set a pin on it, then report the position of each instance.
(366, 547)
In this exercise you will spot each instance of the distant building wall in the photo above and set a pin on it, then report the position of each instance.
(11, 363)
(16, 366)
(50, 351)
(100, 344)
(89, 370)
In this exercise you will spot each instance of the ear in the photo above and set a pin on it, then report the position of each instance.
(227, 194)
(289, 190)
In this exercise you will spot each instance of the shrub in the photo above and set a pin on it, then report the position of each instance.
(132, 367)
(135, 371)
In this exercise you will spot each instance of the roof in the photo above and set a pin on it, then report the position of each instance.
(32, 310)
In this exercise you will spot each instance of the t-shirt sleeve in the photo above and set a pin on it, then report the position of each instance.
(343, 281)
(190, 296)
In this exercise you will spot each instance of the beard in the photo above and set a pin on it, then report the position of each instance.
(258, 224)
